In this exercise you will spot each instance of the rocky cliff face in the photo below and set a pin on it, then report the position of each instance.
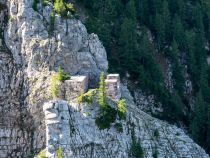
(72, 127)
(28, 56)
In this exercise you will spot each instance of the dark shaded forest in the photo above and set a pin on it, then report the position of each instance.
(135, 32)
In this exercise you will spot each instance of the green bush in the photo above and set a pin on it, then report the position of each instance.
(60, 76)
(59, 153)
(136, 150)
(119, 127)
(87, 97)
(121, 109)
(155, 152)
(101, 92)
(70, 7)
(35, 5)
(54, 85)
(52, 22)
(61, 7)
(156, 133)
(106, 117)
(41, 154)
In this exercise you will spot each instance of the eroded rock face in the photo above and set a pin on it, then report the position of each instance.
(68, 45)
(28, 56)
(72, 127)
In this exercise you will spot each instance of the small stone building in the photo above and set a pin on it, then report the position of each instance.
(75, 87)
(113, 86)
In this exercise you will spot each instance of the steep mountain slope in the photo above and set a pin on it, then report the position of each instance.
(30, 53)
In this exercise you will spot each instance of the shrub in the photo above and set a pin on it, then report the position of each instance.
(54, 85)
(41, 154)
(101, 92)
(121, 109)
(107, 117)
(62, 76)
(59, 153)
(70, 7)
(156, 133)
(119, 127)
(87, 97)
(52, 22)
(60, 8)
(35, 5)
(59, 76)
(155, 152)
(136, 150)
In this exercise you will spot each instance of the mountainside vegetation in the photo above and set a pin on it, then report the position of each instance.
(135, 32)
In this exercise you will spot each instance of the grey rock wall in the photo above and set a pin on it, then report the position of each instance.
(72, 127)
(28, 57)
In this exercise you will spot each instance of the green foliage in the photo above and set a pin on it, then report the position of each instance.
(87, 97)
(121, 108)
(136, 32)
(62, 76)
(2, 6)
(42, 154)
(59, 153)
(101, 92)
(199, 122)
(136, 150)
(155, 152)
(106, 118)
(35, 5)
(59, 76)
(156, 133)
(119, 127)
(62, 8)
(70, 7)
(54, 85)
(52, 23)
(59, 7)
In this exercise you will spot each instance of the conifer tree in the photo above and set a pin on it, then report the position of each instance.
(102, 91)
(199, 123)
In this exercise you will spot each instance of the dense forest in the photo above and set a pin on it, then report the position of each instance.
(136, 32)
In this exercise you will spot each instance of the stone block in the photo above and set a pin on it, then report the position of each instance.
(113, 76)
(113, 86)
(75, 86)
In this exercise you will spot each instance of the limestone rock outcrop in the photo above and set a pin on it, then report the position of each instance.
(30, 52)
(72, 127)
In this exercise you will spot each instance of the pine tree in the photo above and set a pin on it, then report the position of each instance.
(128, 38)
(179, 34)
(177, 69)
(208, 129)
(199, 123)
(102, 91)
